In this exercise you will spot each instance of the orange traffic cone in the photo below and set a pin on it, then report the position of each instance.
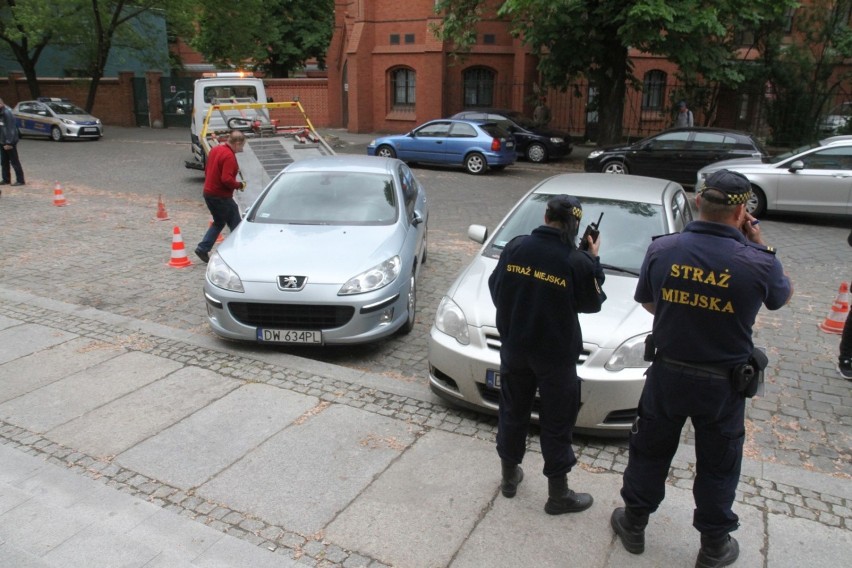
(839, 311)
(179, 258)
(162, 215)
(58, 197)
(221, 237)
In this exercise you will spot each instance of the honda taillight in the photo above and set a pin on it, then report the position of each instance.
(495, 145)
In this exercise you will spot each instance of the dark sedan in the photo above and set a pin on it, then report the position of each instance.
(675, 154)
(536, 144)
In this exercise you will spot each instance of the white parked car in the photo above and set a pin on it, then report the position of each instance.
(464, 346)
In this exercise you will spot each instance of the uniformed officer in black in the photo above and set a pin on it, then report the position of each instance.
(705, 287)
(541, 282)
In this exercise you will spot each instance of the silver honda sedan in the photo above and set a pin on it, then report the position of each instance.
(464, 346)
(329, 253)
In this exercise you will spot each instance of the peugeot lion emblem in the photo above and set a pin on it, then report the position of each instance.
(291, 282)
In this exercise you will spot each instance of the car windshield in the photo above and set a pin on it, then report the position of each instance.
(328, 198)
(626, 229)
(65, 108)
(781, 157)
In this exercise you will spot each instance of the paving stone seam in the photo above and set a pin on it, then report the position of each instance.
(594, 457)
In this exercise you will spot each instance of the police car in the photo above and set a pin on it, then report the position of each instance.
(58, 119)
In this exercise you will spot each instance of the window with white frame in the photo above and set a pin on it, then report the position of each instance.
(403, 82)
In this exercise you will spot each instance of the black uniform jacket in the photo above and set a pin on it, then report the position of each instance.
(539, 286)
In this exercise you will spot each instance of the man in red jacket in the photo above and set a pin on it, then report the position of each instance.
(220, 182)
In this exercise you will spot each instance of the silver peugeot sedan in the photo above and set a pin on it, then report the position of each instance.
(464, 346)
(329, 253)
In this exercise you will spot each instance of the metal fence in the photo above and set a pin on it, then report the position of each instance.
(573, 109)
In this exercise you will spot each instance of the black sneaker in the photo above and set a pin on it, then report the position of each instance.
(202, 255)
(844, 367)
(4, 182)
(19, 183)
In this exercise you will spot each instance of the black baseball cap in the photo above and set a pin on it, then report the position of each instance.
(561, 207)
(734, 185)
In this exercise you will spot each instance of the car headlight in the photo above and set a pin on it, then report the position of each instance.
(557, 140)
(450, 319)
(68, 121)
(377, 277)
(98, 121)
(373, 142)
(222, 276)
(631, 353)
(595, 153)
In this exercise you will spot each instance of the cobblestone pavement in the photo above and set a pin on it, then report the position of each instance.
(105, 250)
(800, 497)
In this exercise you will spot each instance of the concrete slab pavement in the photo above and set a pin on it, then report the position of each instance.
(278, 461)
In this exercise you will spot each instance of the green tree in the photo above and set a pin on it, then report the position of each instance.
(28, 27)
(108, 21)
(805, 76)
(273, 36)
(591, 38)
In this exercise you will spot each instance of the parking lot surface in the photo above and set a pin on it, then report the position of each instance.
(96, 272)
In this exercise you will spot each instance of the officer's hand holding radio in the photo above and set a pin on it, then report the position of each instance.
(591, 241)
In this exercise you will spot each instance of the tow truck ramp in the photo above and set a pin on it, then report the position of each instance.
(277, 134)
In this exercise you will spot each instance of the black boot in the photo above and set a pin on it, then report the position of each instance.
(512, 477)
(630, 528)
(563, 500)
(717, 552)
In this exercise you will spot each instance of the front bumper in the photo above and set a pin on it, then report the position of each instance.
(374, 315)
(609, 400)
(81, 130)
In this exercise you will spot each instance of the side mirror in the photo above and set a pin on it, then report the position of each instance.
(796, 166)
(416, 218)
(477, 233)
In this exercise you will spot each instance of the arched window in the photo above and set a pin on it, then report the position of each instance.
(653, 89)
(478, 87)
(403, 82)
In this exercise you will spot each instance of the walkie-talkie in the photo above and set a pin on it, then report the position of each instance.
(592, 230)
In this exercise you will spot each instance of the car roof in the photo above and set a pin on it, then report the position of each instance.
(706, 129)
(608, 186)
(347, 162)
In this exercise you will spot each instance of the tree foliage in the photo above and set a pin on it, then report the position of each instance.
(273, 36)
(591, 38)
(27, 27)
(804, 76)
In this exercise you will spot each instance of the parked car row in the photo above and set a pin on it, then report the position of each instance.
(477, 140)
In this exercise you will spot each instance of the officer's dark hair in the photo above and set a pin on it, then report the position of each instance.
(564, 210)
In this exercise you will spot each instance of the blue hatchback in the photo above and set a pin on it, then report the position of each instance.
(477, 147)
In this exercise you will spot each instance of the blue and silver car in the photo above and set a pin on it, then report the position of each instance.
(476, 147)
(329, 253)
(57, 119)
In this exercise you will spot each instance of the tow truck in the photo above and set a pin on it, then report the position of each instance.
(277, 134)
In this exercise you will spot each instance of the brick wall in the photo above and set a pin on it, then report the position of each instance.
(113, 103)
(312, 93)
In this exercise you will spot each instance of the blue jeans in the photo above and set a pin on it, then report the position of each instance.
(225, 212)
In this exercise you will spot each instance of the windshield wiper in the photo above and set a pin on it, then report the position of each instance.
(620, 269)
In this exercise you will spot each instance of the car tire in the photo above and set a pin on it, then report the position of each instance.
(475, 163)
(385, 151)
(756, 205)
(56, 134)
(536, 153)
(615, 167)
(412, 306)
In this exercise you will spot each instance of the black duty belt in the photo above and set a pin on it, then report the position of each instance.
(711, 371)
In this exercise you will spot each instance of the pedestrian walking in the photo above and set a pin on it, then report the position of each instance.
(684, 116)
(220, 182)
(705, 287)
(541, 282)
(9, 138)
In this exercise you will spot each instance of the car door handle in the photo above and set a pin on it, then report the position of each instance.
(439, 141)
